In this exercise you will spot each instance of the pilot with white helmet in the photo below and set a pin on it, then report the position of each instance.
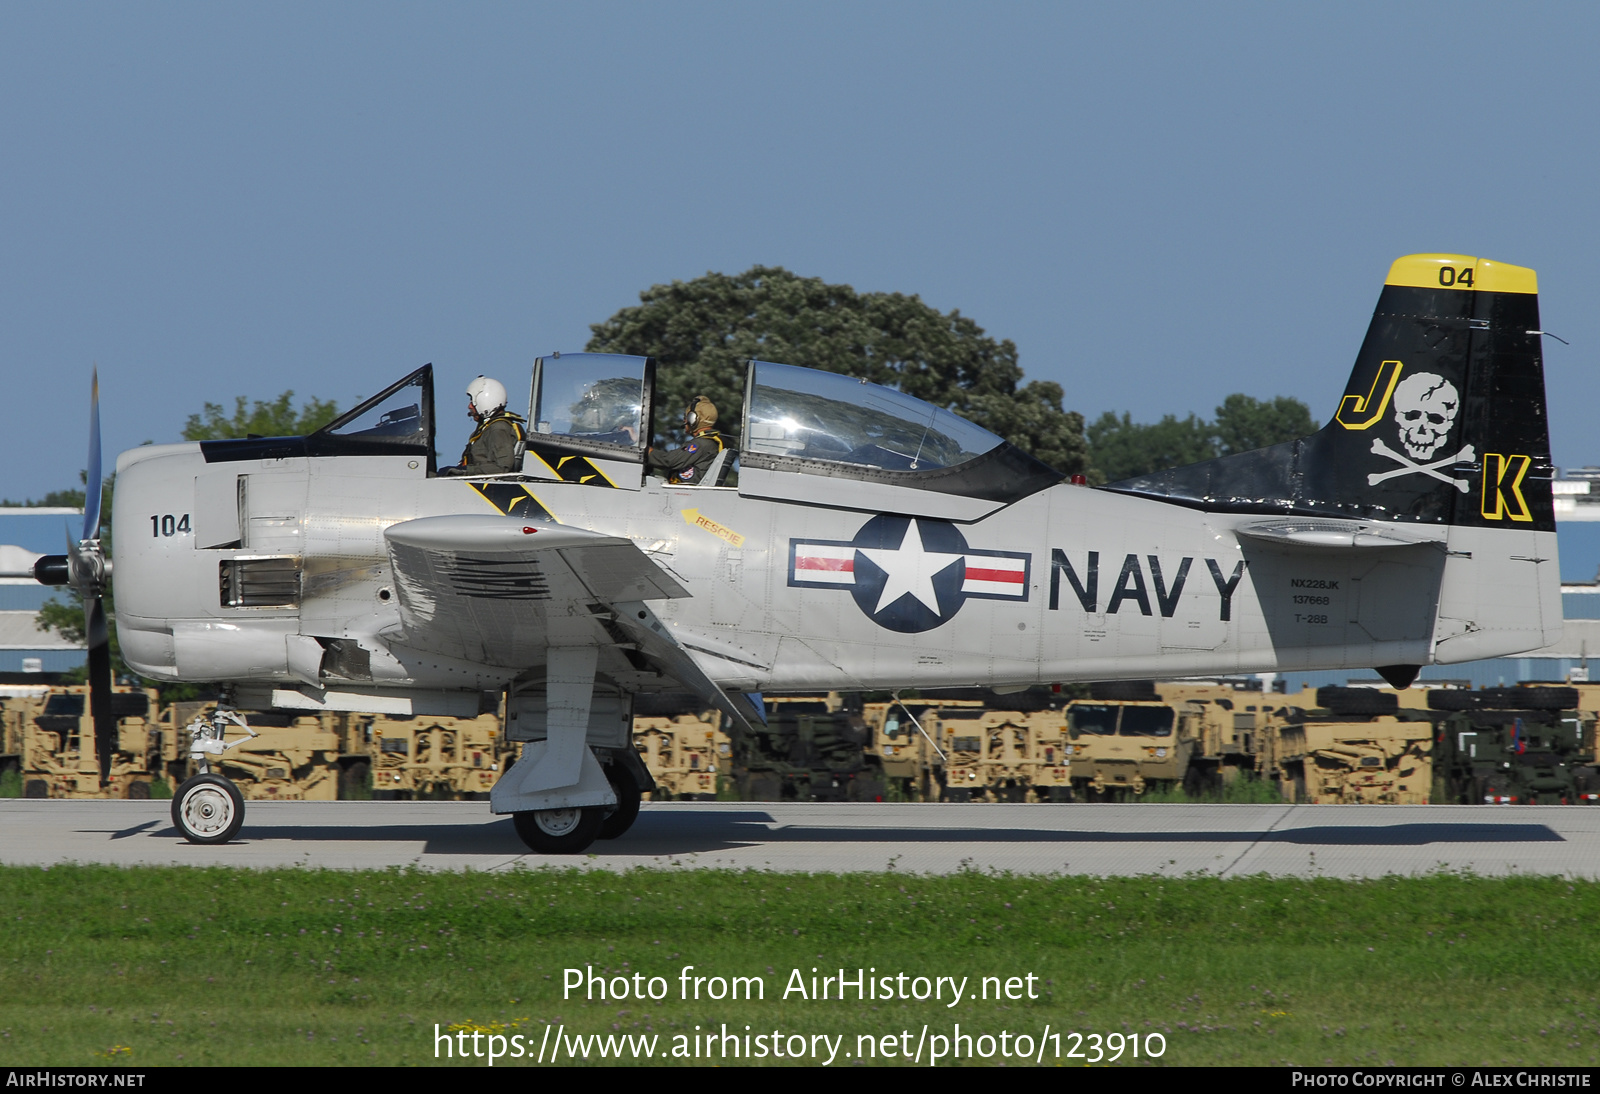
(495, 447)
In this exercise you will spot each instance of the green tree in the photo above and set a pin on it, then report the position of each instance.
(1244, 424)
(278, 418)
(55, 499)
(704, 331)
(1120, 448)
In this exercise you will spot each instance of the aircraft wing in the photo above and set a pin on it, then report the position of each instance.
(500, 590)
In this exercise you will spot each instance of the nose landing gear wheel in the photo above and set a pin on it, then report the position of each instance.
(558, 831)
(208, 809)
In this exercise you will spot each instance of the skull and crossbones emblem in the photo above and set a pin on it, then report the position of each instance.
(1425, 410)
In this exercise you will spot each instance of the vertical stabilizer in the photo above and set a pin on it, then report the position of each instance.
(1443, 420)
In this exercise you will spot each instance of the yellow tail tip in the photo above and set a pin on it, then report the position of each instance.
(1461, 272)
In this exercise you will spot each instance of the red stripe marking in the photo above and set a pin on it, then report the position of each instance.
(1014, 577)
(813, 562)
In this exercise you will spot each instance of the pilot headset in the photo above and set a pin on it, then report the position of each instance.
(692, 414)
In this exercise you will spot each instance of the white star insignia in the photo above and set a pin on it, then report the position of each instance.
(909, 568)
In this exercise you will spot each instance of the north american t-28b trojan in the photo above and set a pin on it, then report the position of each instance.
(872, 542)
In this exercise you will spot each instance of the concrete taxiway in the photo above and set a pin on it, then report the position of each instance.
(1224, 840)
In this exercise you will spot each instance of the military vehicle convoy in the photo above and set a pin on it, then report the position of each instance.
(48, 739)
(1529, 744)
(1337, 745)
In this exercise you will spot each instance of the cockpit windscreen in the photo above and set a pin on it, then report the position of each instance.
(593, 397)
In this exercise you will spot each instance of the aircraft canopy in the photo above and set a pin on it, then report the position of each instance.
(812, 415)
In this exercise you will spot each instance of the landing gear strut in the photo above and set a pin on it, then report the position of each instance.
(209, 808)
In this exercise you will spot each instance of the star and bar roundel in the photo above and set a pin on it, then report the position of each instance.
(908, 574)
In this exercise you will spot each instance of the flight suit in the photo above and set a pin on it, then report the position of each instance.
(687, 466)
(493, 447)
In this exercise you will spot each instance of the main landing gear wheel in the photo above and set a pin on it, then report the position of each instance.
(626, 811)
(559, 831)
(208, 809)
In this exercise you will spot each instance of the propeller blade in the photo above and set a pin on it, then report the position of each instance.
(105, 726)
(91, 487)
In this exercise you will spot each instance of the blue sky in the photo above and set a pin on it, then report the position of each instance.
(1160, 204)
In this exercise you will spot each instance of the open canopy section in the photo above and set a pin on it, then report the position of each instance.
(400, 417)
(398, 421)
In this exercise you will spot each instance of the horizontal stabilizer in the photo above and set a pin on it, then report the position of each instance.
(1334, 534)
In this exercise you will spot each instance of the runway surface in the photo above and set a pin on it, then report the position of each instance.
(1225, 840)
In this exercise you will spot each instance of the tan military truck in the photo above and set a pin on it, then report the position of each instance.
(685, 754)
(1233, 728)
(913, 760)
(966, 751)
(913, 768)
(52, 733)
(1356, 747)
(1121, 748)
(16, 701)
(439, 758)
(1221, 733)
(1004, 755)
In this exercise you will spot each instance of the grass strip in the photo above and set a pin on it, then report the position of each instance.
(176, 965)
